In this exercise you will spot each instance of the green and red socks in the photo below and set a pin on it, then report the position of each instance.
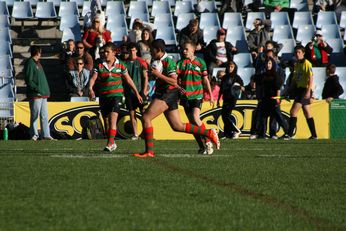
(197, 130)
(206, 139)
(149, 139)
(111, 135)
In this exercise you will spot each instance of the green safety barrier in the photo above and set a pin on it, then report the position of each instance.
(338, 119)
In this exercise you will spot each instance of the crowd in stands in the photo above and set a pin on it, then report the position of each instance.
(269, 79)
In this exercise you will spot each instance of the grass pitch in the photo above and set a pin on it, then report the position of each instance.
(247, 185)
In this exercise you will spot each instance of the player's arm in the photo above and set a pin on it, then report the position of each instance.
(206, 83)
(310, 86)
(171, 79)
(129, 81)
(145, 82)
(91, 85)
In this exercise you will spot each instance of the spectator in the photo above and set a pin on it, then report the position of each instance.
(144, 45)
(318, 51)
(258, 37)
(249, 90)
(230, 6)
(193, 33)
(279, 6)
(215, 89)
(95, 9)
(135, 35)
(231, 87)
(37, 92)
(138, 71)
(219, 51)
(77, 84)
(80, 53)
(323, 5)
(332, 88)
(68, 52)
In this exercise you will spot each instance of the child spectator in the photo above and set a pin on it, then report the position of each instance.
(332, 88)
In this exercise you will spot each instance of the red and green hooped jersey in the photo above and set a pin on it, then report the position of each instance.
(169, 70)
(109, 81)
(191, 74)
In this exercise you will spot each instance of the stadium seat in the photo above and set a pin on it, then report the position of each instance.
(209, 33)
(325, 18)
(251, 16)
(287, 51)
(86, 8)
(339, 59)
(22, 10)
(232, 19)
(194, 2)
(305, 33)
(160, 7)
(243, 59)
(5, 63)
(163, 20)
(149, 2)
(143, 16)
(172, 3)
(117, 20)
(71, 33)
(118, 34)
(5, 49)
(56, 3)
(167, 34)
(246, 73)
(68, 21)
(336, 44)
(236, 36)
(78, 2)
(3, 8)
(6, 74)
(79, 99)
(45, 10)
(9, 3)
(279, 18)
(137, 8)
(302, 18)
(300, 5)
(4, 21)
(207, 6)
(282, 32)
(33, 3)
(183, 20)
(7, 91)
(209, 19)
(342, 23)
(183, 7)
(114, 8)
(5, 35)
(341, 72)
(68, 8)
(319, 79)
(216, 70)
(331, 31)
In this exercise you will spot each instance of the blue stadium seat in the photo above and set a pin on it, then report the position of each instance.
(331, 31)
(117, 20)
(287, 51)
(71, 33)
(56, 3)
(282, 32)
(5, 63)
(243, 60)
(160, 7)
(5, 49)
(143, 16)
(137, 8)
(164, 19)
(216, 70)
(300, 5)
(236, 36)
(22, 10)
(342, 23)
(33, 3)
(207, 6)
(251, 16)
(4, 21)
(86, 7)
(69, 21)
(232, 19)
(302, 18)
(115, 8)
(118, 34)
(78, 2)
(7, 91)
(341, 72)
(319, 79)
(149, 2)
(172, 3)
(305, 34)
(209, 19)
(194, 2)
(183, 7)
(209, 33)
(246, 73)
(4, 8)
(279, 18)
(68, 8)
(5, 35)
(9, 3)
(325, 18)
(183, 20)
(45, 10)
(167, 34)
(336, 44)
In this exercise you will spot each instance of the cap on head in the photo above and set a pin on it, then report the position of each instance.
(221, 31)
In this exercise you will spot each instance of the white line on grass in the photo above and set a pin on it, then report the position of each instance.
(109, 156)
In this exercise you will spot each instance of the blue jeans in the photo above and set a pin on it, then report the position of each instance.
(39, 108)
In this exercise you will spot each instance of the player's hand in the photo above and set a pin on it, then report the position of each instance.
(307, 95)
(181, 90)
(212, 102)
(155, 72)
(140, 99)
(91, 94)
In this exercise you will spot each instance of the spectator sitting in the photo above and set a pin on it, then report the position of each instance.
(258, 37)
(215, 86)
(144, 45)
(249, 90)
(77, 85)
(219, 51)
(80, 53)
(318, 50)
(332, 88)
(193, 33)
(68, 52)
(135, 35)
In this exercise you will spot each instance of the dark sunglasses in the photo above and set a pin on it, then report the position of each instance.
(80, 63)
(80, 47)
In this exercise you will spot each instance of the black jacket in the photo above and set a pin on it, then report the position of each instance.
(332, 88)
(212, 49)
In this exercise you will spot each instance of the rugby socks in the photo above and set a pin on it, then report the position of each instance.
(311, 124)
(149, 139)
(292, 125)
(111, 135)
(193, 129)
(206, 139)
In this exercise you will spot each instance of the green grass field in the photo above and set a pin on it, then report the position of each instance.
(247, 185)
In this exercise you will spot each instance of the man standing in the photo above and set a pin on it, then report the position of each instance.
(110, 75)
(138, 70)
(37, 93)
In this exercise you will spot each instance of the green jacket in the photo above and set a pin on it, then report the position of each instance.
(35, 79)
(274, 3)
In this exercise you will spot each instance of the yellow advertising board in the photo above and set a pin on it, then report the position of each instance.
(70, 118)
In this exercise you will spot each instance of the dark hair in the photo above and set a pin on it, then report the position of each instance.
(235, 70)
(110, 45)
(274, 64)
(132, 45)
(331, 68)
(34, 50)
(193, 22)
(79, 42)
(150, 35)
(158, 44)
(70, 40)
(299, 47)
(191, 43)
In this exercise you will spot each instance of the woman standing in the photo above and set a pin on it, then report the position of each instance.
(231, 85)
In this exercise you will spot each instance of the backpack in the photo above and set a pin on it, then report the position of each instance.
(94, 129)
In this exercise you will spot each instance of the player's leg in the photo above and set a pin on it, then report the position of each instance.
(205, 140)
(310, 121)
(293, 117)
(133, 121)
(110, 109)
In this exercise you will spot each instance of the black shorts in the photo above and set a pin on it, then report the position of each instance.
(171, 98)
(110, 104)
(300, 93)
(189, 105)
(132, 103)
